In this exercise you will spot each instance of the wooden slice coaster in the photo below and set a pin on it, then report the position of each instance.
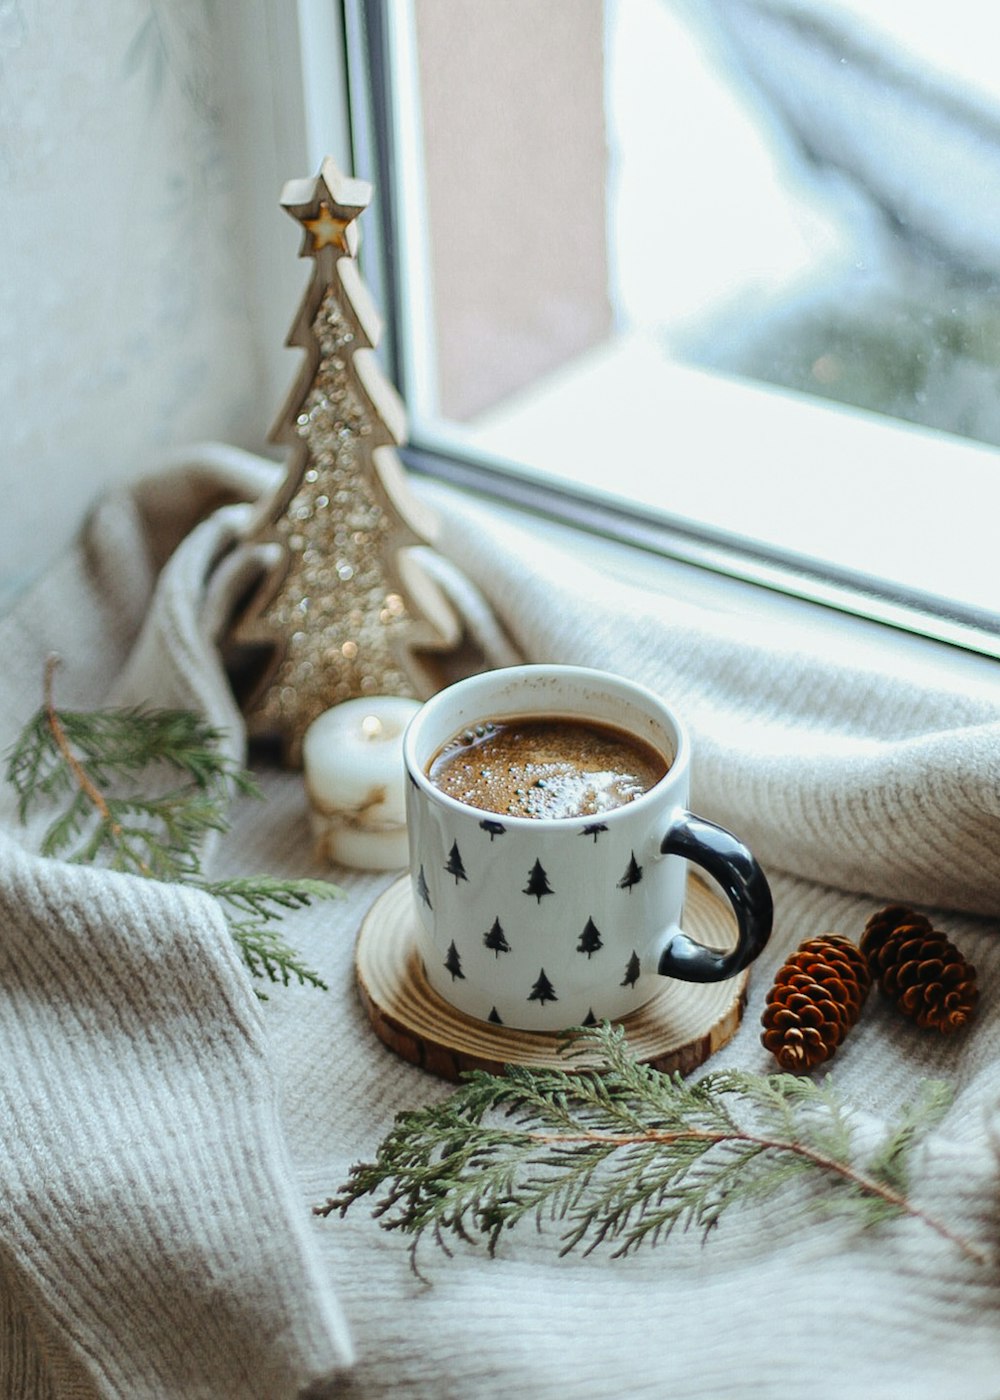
(678, 1029)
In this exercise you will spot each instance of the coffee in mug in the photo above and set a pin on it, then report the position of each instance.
(544, 907)
(545, 766)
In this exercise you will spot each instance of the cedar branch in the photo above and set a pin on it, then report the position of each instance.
(154, 836)
(819, 1159)
(82, 778)
(625, 1152)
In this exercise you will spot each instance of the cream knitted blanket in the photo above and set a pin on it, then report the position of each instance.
(164, 1134)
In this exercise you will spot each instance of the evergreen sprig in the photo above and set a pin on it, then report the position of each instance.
(251, 904)
(621, 1154)
(84, 759)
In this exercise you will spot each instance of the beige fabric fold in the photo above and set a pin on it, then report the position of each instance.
(148, 1213)
(855, 778)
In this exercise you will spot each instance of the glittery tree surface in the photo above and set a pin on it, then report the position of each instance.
(345, 610)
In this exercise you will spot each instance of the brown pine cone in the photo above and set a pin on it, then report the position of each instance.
(885, 923)
(815, 1000)
(919, 969)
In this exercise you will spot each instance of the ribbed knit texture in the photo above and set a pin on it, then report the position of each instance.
(142, 1077)
(156, 1231)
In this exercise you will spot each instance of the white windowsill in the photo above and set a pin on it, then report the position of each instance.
(839, 636)
(913, 506)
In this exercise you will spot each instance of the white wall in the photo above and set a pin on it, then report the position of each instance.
(149, 275)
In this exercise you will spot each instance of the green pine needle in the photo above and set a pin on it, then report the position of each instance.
(250, 904)
(617, 1153)
(114, 744)
(85, 760)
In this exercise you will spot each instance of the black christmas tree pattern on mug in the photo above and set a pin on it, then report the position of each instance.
(589, 940)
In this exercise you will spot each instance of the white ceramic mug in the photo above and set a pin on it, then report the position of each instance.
(588, 912)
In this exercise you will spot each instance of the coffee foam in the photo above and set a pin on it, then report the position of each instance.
(546, 767)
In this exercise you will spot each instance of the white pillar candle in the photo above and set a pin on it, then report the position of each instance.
(352, 757)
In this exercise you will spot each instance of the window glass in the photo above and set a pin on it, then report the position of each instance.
(731, 263)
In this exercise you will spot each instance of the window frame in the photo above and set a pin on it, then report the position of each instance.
(767, 570)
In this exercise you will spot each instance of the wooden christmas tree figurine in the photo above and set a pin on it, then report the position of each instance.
(345, 610)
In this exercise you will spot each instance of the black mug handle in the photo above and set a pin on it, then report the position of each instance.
(730, 863)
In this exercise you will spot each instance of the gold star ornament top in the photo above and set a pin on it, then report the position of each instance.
(327, 208)
(327, 230)
(345, 610)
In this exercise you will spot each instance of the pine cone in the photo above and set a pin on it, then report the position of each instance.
(815, 1000)
(886, 922)
(919, 969)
